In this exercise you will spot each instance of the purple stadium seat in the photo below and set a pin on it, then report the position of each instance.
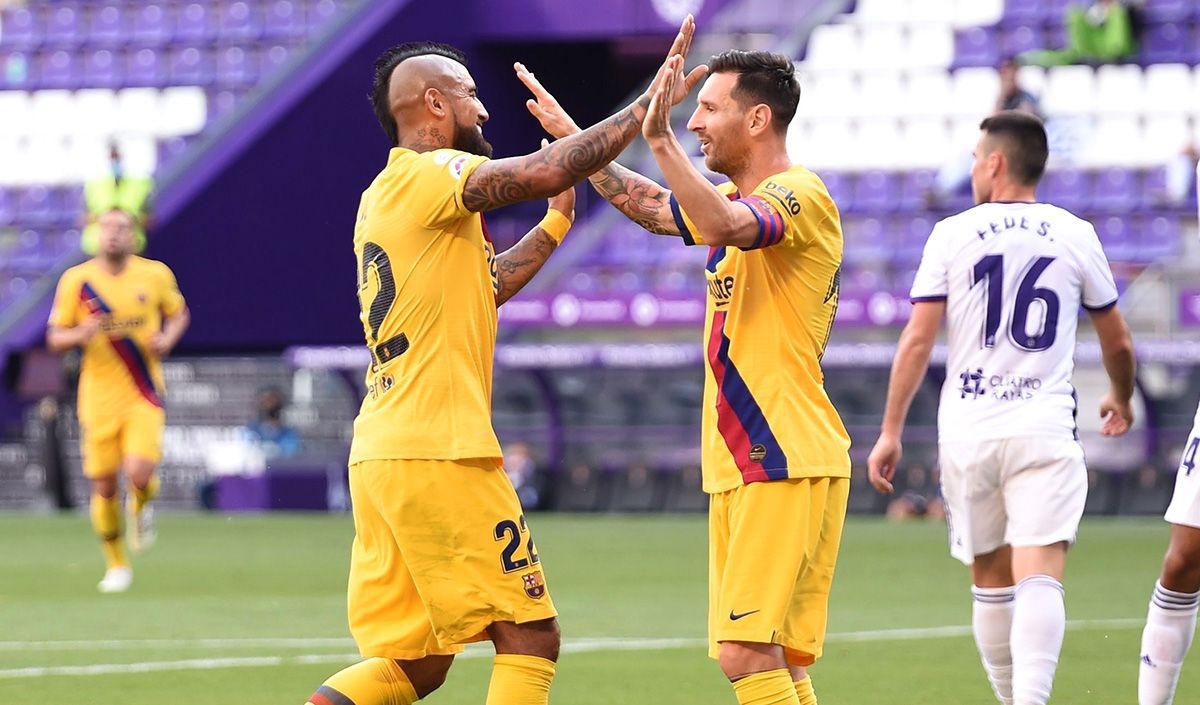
(195, 22)
(1160, 238)
(240, 21)
(273, 58)
(59, 69)
(1169, 10)
(1021, 39)
(35, 206)
(236, 67)
(1067, 188)
(23, 28)
(191, 66)
(220, 104)
(914, 186)
(865, 241)
(840, 185)
(18, 69)
(102, 69)
(876, 192)
(1118, 238)
(909, 236)
(108, 24)
(152, 24)
(1116, 190)
(976, 46)
(1167, 44)
(64, 25)
(8, 207)
(146, 67)
(284, 20)
(320, 12)
(1026, 11)
(70, 202)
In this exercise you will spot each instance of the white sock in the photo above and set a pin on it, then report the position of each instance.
(1170, 625)
(1039, 620)
(991, 620)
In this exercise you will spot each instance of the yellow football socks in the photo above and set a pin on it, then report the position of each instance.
(376, 681)
(520, 680)
(106, 520)
(804, 691)
(766, 688)
(142, 497)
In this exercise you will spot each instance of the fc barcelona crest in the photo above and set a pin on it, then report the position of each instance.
(535, 586)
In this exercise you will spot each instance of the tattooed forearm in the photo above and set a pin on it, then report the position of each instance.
(640, 199)
(554, 168)
(517, 265)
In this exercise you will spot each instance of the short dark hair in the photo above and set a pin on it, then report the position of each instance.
(387, 63)
(1024, 143)
(765, 78)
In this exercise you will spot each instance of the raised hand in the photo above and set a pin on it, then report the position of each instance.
(544, 106)
(680, 47)
(657, 124)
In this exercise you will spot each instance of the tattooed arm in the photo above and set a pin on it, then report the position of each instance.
(519, 263)
(641, 199)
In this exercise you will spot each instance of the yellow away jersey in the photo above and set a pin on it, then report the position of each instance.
(118, 365)
(427, 291)
(769, 314)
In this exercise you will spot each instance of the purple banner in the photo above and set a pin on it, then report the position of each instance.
(644, 310)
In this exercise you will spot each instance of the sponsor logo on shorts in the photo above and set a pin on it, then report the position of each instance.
(735, 616)
(535, 586)
(758, 451)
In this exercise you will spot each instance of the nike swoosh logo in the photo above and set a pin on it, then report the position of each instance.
(734, 616)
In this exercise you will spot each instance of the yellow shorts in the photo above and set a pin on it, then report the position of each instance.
(135, 430)
(772, 549)
(441, 551)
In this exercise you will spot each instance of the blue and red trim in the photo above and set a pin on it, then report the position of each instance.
(127, 350)
(770, 223)
(740, 420)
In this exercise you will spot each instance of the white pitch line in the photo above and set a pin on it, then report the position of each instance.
(481, 651)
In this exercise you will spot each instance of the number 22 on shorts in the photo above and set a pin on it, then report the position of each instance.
(511, 532)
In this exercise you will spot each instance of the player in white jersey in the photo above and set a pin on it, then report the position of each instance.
(1010, 275)
(1171, 620)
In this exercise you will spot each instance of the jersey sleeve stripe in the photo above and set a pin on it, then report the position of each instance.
(135, 362)
(740, 419)
(1101, 307)
(684, 231)
(920, 299)
(762, 225)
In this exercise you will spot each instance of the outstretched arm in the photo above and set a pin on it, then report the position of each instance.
(566, 162)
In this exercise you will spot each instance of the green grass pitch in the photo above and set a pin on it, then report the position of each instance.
(251, 611)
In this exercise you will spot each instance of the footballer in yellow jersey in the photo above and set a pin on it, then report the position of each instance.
(775, 453)
(126, 313)
(442, 554)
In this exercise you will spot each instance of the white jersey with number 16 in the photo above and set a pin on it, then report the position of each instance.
(1013, 276)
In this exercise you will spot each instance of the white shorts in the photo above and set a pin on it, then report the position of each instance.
(1026, 491)
(1185, 503)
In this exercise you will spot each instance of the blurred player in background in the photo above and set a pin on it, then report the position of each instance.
(1171, 620)
(442, 553)
(775, 452)
(1010, 275)
(126, 313)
